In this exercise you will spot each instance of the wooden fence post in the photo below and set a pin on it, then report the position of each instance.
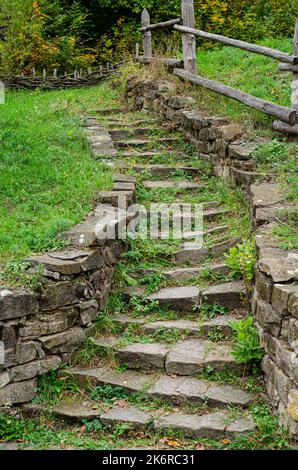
(137, 50)
(189, 40)
(294, 99)
(147, 36)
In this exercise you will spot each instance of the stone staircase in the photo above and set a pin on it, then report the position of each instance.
(161, 371)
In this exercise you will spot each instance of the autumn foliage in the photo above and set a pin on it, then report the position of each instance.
(68, 34)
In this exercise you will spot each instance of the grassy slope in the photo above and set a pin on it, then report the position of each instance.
(47, 175)
(252, 73)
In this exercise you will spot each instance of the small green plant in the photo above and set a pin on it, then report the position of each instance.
(153, 282)
(17, 272)
(247, 343)
(210, 311)
(165, 335)
(142, 306)
(242, 260)
(108, 394)
(50, 388)
(216, 334)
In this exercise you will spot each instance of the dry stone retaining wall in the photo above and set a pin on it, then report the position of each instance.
(275, 299)
(40, 330)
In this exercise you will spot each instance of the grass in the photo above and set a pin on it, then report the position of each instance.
(252, 73)
(48, 179)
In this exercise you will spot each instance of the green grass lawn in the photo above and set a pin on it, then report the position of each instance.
(252, 73)
(48, 178)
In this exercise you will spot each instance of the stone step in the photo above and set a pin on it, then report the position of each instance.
(191, 328)
(185, 299)
(111, 111)
(171, 185)
(197, 235)
(145, 142)
(210, 425)
(193, 253)
(178, 390)
(185, 274)
(182, 299)
(130, 125)
(155, 171)
(185, 358)
(119, 134)
(214, 425)
(182, 214)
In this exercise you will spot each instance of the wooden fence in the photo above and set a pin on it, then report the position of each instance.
(55, 80)
(286, 118)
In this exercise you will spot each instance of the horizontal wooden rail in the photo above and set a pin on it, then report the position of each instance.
(163, 25)
(267, 51)
(167, 62)
(288, 68)
(282, 113)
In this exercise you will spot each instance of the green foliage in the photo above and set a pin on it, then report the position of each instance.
(247, 343)
(209, 311)
(153, 282)
(64, 35)
(16, 272)
(50, 388)
(108, 394)
(242, 260)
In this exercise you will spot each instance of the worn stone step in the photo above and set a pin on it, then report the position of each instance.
(133, 417)
(186, 299)
(177, 234)
(192, 328)
(171, 185)
(190, 357)
(193, 253)
(229, 294)
(131, 124)
(178, 390)
(119, 134)
(145, 142)
(210, 425)
(74, 410)
(160, 171)
(185, 274)
(111, 111)
(187, 357)
(213, 425)
(182, 299)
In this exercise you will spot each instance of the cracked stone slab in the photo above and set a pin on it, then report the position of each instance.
(134, 417)
(182, 299)
(77, 411)
(191, 356)
(143, 356)
(230, 294)
(70, 262)
(211, 425)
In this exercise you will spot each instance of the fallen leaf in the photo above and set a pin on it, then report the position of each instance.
(174, 444)
(122, 403)
(200, 446)
(81, 431)
(226, 441)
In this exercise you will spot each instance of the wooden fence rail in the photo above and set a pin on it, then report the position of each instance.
(287, 118)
